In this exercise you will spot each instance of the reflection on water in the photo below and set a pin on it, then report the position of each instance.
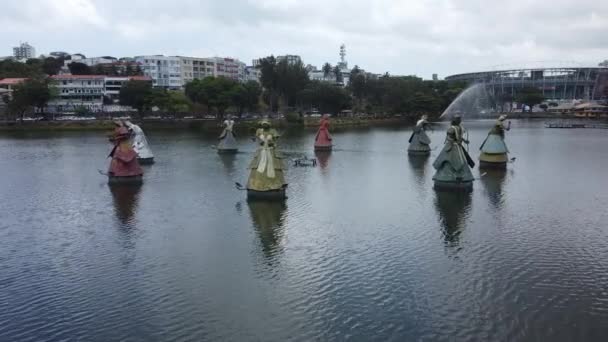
(453, 209)
(419, 166)
(323, 158)
(125, 199)
(228, 160)
(267, 218)
(493, 182)
(364, 249)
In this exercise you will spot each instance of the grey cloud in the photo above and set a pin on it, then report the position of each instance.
(402, 37)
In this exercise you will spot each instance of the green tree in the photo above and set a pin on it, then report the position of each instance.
(326, 97)
(268, 78)
(135, 94)
(196, 91)
(77, 68)
(32, 93)
(98, 70)
(338, 74)
(327, 69)
(13, 69)
(530, 96)
(51, 66)
(252, 95)
(129, 70)
(113, 70)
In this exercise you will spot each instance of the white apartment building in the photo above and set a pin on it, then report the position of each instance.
(252, 74)
(92, 61)
(88, 91)
(196, 68)
(24, 51)
(164, 71)
(78, 91)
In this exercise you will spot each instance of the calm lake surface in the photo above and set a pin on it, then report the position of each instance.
(362, 249)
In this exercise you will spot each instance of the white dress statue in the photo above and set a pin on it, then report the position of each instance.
(140, 144)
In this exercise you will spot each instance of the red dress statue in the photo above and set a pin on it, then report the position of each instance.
(124, 167)
(323, 139)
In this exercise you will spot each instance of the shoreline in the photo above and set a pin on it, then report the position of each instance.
(189, 124)
(214, 125)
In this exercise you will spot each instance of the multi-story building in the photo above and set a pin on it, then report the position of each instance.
(291, 59)
(252, 74)
(93, 92)
(76, 91)
(164, 71)
(91, 61)
(59, 54)
(230, 68)
(196, 68)
(24, 51)
(113, 84)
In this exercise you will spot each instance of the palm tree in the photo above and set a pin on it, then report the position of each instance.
(326, 69)
(338, 74)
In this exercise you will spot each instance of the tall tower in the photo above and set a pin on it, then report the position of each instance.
(343, 63)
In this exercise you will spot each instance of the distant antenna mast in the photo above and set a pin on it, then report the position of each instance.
(343, 53)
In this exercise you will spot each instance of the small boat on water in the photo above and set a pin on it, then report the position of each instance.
(570, 124)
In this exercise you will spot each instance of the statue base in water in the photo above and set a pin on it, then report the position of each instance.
(323, 148)
(125, 180)
(418, 152)
(493, 161)
(453, 186)
(146, 161)
(270, 195)
(227, 150)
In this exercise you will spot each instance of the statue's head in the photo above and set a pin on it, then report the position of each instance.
(456, 120)
(424, 117)
(121, 133)
(502, 117)
(265, 123)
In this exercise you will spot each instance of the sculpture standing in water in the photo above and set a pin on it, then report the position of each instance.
(227, 139)
(454, 164)
(124, 167)
(323, 140)
(140, 144)
(419, 140)
(494, 151)
(266, 179)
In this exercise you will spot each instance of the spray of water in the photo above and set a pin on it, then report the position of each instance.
(473, 102)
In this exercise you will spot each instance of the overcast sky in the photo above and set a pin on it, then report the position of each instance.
(399, 36)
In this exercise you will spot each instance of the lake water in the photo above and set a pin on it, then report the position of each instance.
(363, 248)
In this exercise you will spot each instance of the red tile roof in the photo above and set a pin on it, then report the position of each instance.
(12, 81)
(77, 77)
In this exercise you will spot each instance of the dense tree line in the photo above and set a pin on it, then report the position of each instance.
(218, 94)
(36, 67)
(141, 96)
(287, 85)
(33, 93)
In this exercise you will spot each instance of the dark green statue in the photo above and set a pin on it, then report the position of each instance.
(454, 164)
